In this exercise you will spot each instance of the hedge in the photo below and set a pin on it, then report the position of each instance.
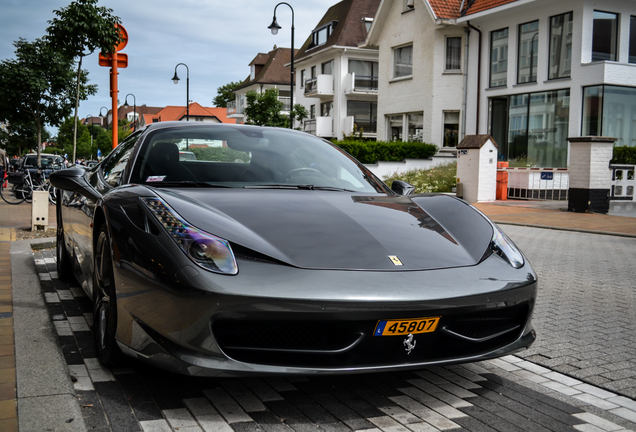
(370, 152)
(624, 155)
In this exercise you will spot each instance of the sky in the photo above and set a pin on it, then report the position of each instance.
(216, 39)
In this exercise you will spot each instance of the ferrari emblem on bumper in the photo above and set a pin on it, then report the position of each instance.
(409, 342)
(395, 260)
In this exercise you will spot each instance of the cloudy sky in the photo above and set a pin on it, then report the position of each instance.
(217, 39)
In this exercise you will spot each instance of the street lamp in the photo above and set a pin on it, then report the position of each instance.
(134, 109)
(175, 79)
(102, 115)
(274, 27)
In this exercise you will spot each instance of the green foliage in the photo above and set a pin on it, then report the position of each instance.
(264, 109)
(624, 155)
(83, 27)
(17, 139)
(441, 178)
(101, 140)
(369, 152)
(300, 113)
(225, 94)
(220, 154)
(36, 86)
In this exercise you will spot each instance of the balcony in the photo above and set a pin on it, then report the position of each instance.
(319, 126)
(321, 86)
(361, 86)
(234, 110)
(353, 125)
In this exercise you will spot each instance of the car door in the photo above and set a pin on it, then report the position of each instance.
(103, 179)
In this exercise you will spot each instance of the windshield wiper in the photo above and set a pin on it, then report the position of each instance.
(187, 183)
(303, 187)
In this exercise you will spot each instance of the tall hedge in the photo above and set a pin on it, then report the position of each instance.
(624, 155)
(370, 152)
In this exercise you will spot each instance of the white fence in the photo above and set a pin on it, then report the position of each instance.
(623, 182)
(537, 183)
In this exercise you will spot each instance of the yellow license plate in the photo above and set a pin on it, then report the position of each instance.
(406, 326)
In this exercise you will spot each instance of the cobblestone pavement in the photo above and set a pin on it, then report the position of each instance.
(586, 310)
(508, 394)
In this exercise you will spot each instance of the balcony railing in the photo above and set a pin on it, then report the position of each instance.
(234, 108)
(322, 85)
(361, 84)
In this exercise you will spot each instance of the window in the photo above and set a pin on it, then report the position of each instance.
(528, 52)
(403, 61)
(327, 68)
(560, 60)
(405, 127)
(538, 129)
(610, 111)
(302, 78)
(451, 128)
(118, 160)
(604, 36)
(320, 35)
(632, 39)
(499, 58)
(313, 72)
(366, 74)
(453, 53)
(312, 112)
(367, 23)
(325, 109)
(364, 115)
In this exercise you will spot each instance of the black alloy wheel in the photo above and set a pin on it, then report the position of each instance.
(104, 301)
(64, 266)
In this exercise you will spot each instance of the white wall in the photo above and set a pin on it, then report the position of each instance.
(429, 90)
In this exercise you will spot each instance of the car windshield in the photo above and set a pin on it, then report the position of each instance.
(248, 157)
(31, 161)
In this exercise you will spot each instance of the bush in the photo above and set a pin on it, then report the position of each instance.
(219, 154)
(440, 178)
(370, 152)
(624, 155)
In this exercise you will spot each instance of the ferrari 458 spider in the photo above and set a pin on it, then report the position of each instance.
(274, 252)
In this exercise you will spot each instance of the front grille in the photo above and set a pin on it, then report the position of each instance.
(350, 342)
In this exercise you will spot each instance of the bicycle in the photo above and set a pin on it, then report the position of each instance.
(20, 187)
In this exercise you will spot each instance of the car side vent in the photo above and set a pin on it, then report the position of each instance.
(241, 252)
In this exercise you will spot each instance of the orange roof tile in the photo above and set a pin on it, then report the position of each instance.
(451, 8)
(171, 113)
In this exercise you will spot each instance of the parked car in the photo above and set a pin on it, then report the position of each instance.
(281, 254)
(48, 162)
(186, 155)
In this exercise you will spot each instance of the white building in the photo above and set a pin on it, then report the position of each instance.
(549, 70)
(336, 80)
(266, 71)
(422, 68)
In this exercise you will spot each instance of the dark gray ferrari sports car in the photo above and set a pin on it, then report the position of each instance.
(272, 251)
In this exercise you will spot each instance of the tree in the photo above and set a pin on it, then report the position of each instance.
(77, 31)
(225, 94)
(37, 87)
(300, 113)
(89, 139)
(264, 109)
(17, 139)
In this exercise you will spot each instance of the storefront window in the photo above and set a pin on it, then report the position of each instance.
(538, 129)
(610, 111)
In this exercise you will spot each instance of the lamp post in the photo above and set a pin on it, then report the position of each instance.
(274, 27)
(175, 79)
(102, 115)
(134, 109)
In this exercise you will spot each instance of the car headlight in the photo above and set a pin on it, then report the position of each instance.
(505, 248)
(206, 250)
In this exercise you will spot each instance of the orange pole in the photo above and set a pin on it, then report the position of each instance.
(113, 92)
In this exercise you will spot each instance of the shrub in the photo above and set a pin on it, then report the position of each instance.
(624, 155)
(370, 152)
(440, 178)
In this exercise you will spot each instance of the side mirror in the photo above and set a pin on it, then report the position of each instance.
(74, 180)
(402, 188)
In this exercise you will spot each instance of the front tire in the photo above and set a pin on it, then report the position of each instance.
(104, 301)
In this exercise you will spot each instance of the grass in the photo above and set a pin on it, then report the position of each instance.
(440, 178)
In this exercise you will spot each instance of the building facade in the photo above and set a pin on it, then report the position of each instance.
(336, 79)
(543, 71)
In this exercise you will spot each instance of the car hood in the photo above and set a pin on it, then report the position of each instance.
(339, 230)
